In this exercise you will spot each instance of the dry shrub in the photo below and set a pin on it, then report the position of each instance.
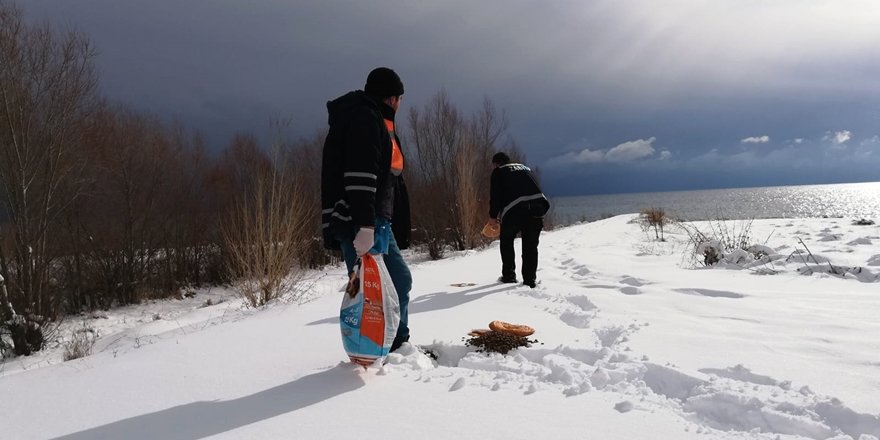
(722, 238)
(656, 219)
(80, 344)
(266, 232)
(307, 155)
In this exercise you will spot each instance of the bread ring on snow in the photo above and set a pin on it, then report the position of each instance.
(491, 230)
(512, 329)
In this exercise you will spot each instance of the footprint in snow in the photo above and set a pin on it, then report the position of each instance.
(459, 384)
(630, 290)
(576, 268)
(859, 241)
(582, 301)
(633, 281)
(711, 293)
(625, 406)
(576, 318)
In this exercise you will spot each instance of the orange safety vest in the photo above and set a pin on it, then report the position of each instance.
(396, 155)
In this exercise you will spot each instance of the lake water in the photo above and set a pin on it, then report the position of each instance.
(848, 200)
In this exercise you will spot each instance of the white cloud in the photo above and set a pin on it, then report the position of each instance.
(588, 156)
(756, 140)
(584, 156)
(799, 140)
(625, 152)
(839, 138)
(665, 154)
(632, 150)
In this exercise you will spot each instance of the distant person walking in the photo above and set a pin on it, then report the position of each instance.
(364, 202)
(517, 202)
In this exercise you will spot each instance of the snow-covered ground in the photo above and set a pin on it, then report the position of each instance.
(633, 343)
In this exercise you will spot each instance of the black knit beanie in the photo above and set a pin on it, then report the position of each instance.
(383, 82)
(500, 158)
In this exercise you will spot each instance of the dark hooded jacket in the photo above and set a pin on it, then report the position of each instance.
(356, 180)
(514, 192)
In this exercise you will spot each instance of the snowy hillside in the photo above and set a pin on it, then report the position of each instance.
(632, 343)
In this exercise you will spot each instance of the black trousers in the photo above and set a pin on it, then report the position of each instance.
(530, 228)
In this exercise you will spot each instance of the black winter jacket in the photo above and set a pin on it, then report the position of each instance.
(356, 181)
(515, 192)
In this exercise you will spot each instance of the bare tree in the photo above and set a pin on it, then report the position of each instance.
(47, 89)
(434, 134)
(141, 228)
(451, 183)
(473, 168)
(123, 229)
(192, 256)
(467, 198)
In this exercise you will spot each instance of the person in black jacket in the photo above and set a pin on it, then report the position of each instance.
(517, 202)
(364, 203)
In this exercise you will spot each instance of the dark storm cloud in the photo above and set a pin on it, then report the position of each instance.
(667, 90)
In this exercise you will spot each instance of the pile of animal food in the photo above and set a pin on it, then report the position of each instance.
(500, 337)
